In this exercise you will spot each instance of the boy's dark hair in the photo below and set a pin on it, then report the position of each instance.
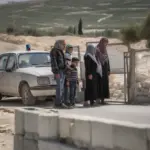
(75, 59)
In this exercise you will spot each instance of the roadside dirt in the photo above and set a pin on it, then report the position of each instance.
(6, 129)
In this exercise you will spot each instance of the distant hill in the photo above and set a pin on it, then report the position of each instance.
(96, 14)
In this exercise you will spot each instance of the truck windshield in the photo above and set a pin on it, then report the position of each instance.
(33, 59)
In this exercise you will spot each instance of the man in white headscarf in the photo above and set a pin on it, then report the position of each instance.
(58, 68)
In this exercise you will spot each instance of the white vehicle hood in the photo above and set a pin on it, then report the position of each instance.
(37, 71)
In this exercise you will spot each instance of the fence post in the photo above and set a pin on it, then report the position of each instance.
(132, 77)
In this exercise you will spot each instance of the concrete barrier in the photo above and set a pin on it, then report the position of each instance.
(148, 136)
(48, 126)
(43, 130)
(31, 122)
(18, 142)
(30, 144)
(129, 137)
(19, 121)
(102, 134)
(45, 145)
(65, 124)
(81, 132)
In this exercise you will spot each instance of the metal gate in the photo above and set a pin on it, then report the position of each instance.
(119, 60)
(126, 73)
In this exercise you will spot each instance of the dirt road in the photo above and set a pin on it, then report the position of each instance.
(6, 129)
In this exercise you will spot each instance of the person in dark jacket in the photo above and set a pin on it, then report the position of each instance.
(92, 68)
(58, 68)
(103, 83)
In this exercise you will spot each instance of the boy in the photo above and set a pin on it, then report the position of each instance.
(68, 54)
(72, 81)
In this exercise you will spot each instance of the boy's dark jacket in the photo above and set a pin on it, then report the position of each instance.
(57, 60)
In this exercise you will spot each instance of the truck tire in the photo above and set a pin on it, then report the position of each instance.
(27, 98)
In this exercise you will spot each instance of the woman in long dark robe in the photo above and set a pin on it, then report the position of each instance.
(92, 68)
(103, 83)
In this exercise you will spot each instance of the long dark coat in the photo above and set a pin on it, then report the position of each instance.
(91, 85)
(103, 83)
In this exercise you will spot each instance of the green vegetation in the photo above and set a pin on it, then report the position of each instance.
(80, 32)
(37, 32)
(135, 33)
(97, 14)
(130, 34)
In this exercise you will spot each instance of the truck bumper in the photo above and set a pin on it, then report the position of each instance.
(39, 91)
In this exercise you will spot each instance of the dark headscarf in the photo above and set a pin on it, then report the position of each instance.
(101, 52)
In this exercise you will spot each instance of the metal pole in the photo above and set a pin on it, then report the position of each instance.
(125, 98)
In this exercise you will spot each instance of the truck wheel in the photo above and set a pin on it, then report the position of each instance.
(27, 97)
(1, 96)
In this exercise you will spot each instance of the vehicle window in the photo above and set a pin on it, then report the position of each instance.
(3, 61)
(11, 62)
(34, 59)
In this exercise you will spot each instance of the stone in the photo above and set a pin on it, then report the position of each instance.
(141, 77)
(146, 84)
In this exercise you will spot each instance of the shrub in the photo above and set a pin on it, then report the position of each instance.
(130, 34)
(108, 33)
(32, 32)
(10, 30)
(70, 29)
(145, 33)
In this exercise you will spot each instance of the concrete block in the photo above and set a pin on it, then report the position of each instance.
(31, 136)
(18, 142)
(101, 136)
(31, 121)
(30, 144)
(129, 137)
(49, 145)
(148, 137)
(19, 121)
(81, 132)
(48, 126)
(65, 124)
